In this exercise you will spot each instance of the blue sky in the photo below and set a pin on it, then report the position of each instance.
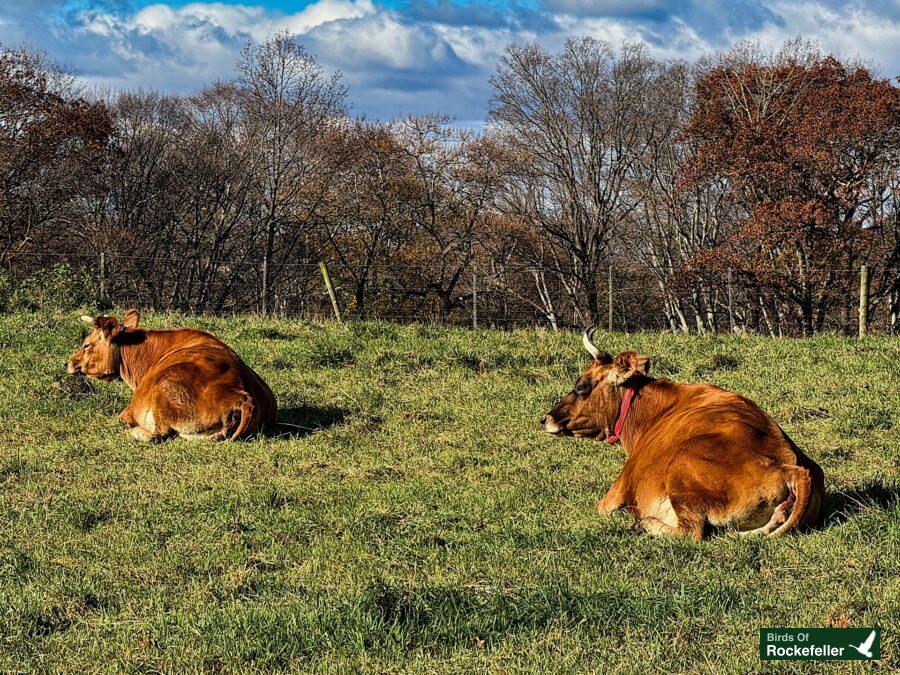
(415, 56)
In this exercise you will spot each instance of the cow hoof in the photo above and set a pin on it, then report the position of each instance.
(605, 509)
(140, 434)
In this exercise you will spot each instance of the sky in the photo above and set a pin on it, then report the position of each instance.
(414, 56)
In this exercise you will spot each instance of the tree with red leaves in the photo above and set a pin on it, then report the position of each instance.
(797, 136)
(52, 147)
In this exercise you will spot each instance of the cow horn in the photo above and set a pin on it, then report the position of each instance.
(588, 341)
(87, 319)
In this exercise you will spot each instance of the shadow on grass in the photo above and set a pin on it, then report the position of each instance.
(301, 421)
(844, 505)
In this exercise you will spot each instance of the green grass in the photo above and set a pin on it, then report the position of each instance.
(416, 518)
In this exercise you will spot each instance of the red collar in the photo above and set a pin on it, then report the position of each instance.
(624, 407)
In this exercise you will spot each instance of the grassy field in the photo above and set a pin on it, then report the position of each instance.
(413, 516)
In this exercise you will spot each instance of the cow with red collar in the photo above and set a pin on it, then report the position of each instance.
(185, 382)
(696, 455)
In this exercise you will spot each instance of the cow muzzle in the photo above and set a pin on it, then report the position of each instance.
(552, 426)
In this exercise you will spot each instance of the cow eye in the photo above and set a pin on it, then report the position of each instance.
(583, 388)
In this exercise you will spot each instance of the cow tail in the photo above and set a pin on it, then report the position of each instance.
(246, 410)
(801, 485)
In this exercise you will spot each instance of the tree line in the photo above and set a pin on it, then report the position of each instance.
(741, 192)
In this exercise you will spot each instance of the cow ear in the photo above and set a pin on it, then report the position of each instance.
(108, 326)
(131, 319)
(628, 364)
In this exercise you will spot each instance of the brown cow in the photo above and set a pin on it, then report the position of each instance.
(697, 455)
(185, 381)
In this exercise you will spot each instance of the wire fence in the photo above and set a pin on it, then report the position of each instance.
(631, 297)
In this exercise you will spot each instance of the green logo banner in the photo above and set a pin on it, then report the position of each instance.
(818, 644)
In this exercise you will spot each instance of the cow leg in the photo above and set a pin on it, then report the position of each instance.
(127, 417)
(141, 434)
(146, 427)
(612, 500)
(670, 514)
(691, 517)
(177, 405)
(236, 414)
(690, 500)
(138, 417)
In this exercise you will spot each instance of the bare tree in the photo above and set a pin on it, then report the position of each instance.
(581, 121)
(673, 222)
(779, 167)
(292, 107)
(453, 180)
(370, 207)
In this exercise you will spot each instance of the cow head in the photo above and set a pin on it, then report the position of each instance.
(590, 409)
(98, 356)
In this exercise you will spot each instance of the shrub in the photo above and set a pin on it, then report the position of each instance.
(57, 288)
(5, 292)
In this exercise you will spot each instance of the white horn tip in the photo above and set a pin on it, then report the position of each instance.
(589, 344)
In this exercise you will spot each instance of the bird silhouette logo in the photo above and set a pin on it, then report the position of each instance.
(865, 647)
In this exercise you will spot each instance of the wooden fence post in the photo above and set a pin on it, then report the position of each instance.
(331, 294)
(264, 305)
(730, 305)
(610, 293)
(102, 278)
(474, 295)
(863, 300)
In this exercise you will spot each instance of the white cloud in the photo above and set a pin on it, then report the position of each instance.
(392, 65)
(382, 39)
(248, 19)
(324, 11)
(849, 31)
(433, 55)
(179, 48)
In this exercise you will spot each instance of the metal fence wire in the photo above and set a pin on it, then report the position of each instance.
(629, 298)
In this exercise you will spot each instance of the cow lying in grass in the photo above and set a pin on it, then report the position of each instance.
(697, 455)
(185, 381)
